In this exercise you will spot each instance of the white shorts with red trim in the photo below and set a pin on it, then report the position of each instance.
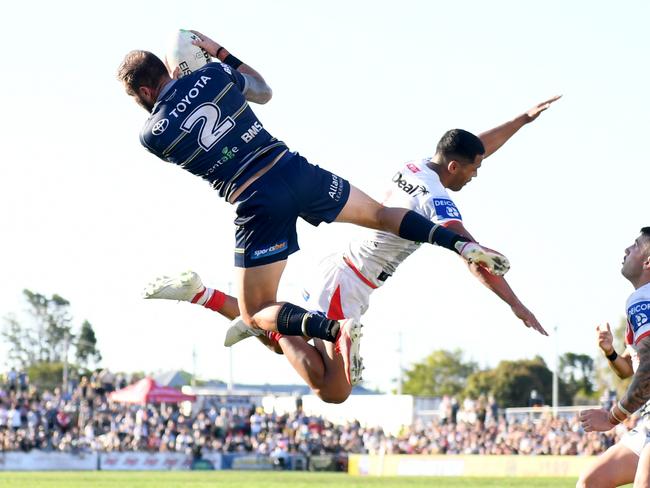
(638, 437)
(337, 290)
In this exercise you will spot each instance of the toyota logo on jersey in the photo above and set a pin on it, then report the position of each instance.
(160, 127)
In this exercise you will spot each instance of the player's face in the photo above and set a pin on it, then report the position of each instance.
(637, 257)
(464, 172)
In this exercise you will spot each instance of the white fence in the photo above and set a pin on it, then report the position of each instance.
(111, 461)
(46, 461)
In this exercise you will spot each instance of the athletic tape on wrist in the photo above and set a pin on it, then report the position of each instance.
(623, 409)
(231, 60)
(611, 412)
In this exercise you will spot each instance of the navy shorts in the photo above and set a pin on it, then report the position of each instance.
(267, 210)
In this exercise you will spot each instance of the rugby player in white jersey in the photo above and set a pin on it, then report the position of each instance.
(346, 280)
(629, 460)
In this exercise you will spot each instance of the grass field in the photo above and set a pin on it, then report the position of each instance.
(239, 479)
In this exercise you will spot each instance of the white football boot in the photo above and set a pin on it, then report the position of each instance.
(347, 344)
(238, 331)
(183, 287)
(495, 262)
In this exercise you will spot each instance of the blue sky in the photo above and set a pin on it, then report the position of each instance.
(359, 88)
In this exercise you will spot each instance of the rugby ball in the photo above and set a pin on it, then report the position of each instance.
(183, 54)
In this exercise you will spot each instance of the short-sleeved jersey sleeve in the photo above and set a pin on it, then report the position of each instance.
(235, 76)
(437, 205)
(638, 320)
(441, 209)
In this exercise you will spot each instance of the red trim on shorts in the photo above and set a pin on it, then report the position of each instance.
(645, 334)
(358, 273)
(335, 311)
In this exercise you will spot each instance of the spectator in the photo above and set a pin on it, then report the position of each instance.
(12, 380)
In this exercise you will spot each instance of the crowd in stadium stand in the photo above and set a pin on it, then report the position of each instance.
(85, 420)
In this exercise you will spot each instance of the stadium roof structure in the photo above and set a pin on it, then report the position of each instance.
(148, 391)
(175, 378)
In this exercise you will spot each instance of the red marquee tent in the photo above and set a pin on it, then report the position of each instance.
(148, 391)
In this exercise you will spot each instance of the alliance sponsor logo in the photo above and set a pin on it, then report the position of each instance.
(336, 188)
(410, 188)
(271, 250)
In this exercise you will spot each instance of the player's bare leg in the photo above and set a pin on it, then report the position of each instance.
(335, 387)
(320, 366)
(642, 478)
(258, 289)
(615, 467)
(323, 371)
(362, 210)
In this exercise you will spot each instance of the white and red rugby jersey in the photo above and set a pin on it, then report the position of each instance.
(638, 321)
(415, 187)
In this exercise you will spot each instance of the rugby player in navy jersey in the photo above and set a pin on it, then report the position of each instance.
(203, 123)
(344, 281)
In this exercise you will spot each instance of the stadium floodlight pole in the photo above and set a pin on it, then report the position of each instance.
(193, 366)
(66, 344)
(230, 366)
(555, 373)
(400, 379)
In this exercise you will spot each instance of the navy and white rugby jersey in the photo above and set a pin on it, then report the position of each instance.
(203, 123)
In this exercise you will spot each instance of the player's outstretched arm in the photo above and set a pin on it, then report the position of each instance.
(499, 286)
(257, 90)
(493, 139)
(637, 394)
(621, 364)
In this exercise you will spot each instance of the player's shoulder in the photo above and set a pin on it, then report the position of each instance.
(420, 172)
(215, 68)
(639, 300)
(638, 312)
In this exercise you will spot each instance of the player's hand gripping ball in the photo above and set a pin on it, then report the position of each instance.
(183, 55)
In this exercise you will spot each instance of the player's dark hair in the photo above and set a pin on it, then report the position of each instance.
(646, 232)
(460, 145)
(140, 68)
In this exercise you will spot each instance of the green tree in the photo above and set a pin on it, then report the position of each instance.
(87, 345)
(512, 383)
(45, 339)
(479, 383)
(577, 372)
(441, 373)
(45, 375)
(40, 345)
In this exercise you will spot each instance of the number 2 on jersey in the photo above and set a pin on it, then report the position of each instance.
(213, 129)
